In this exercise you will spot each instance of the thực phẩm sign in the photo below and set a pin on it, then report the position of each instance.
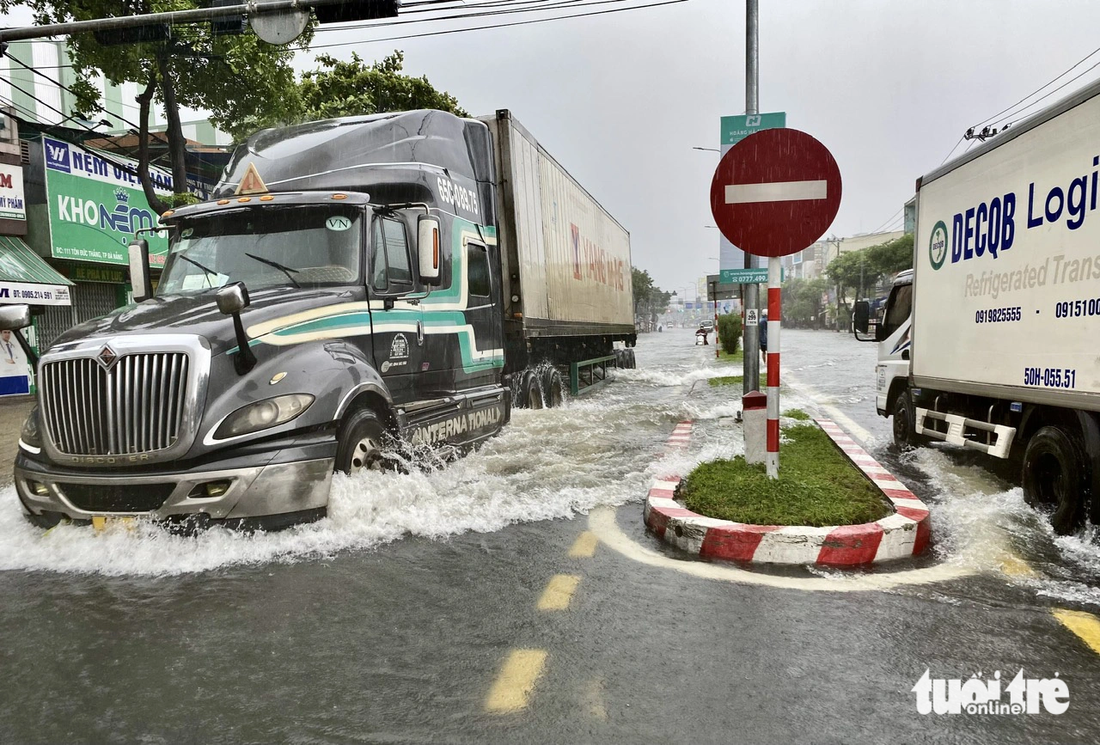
(96, 207)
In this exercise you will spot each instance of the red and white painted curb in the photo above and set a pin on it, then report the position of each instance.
(904, 534)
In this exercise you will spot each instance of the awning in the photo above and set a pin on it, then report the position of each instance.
(26, 278)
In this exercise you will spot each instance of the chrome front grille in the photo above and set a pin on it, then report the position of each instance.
(137, 406)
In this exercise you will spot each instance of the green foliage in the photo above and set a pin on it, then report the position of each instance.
(725, 380)
(353, 88)
(817, 486)
(729, 331)
(874, 264)
(802, 301)
(650, 301)
(796, 414)
(182, 200)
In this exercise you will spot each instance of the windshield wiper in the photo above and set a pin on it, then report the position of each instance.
(209, 272)
(284, 269)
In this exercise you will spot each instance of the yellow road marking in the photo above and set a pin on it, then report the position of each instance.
(594, 699)
(513, 687)
(585, 545)
(1085, 625)
(559, 592)
(1014, 566)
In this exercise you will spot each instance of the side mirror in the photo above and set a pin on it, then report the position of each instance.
(14, 317)
(862, 316)
(428, 248)
(138, 252)
(232, 298)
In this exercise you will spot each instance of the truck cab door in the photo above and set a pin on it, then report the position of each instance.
(396, 319)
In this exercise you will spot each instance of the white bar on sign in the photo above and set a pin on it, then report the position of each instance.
(776, 191)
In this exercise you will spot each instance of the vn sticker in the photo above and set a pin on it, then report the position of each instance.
(339, 223)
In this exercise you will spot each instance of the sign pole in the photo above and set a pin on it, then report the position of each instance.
(771, 459)
(751, 365)
(714, 297)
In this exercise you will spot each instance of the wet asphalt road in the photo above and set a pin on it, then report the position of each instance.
(320, 638)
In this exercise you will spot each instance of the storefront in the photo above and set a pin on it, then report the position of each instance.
(24, 277)
(84, 211)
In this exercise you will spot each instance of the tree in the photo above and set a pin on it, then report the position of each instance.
(353, 88)
(892, 257)
(650, 301)
(802, 303)
(236, 78)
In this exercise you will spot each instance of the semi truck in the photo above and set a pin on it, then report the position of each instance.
(353, 286)
(992, 341)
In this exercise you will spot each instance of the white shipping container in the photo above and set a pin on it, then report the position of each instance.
(1007, 259)
(573, 257)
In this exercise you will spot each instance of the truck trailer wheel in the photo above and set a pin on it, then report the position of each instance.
(553, 387)
(631, 362)
(1052, 475)
(905, 437)
(530, 391)
(360, 442)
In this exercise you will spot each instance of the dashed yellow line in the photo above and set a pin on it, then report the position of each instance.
(585, 545)
(1014, 566)
(559, 592)
(516, 680)
(1085, 625)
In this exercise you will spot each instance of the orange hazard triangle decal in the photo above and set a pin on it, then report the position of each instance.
(251, 183)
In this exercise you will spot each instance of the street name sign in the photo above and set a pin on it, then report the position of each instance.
(775, 192)
(737, 128)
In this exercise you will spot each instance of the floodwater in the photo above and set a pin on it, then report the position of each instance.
(388, 620)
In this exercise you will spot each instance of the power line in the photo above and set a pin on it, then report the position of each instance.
(952, 150)
(1044, 85)
(505, 8)
(493, 26)
(59, 84)
(1048, 95)
(889, 220)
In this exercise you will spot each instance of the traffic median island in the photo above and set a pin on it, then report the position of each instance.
(832, 505)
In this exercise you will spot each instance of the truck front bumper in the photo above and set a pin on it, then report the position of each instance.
(280, 481)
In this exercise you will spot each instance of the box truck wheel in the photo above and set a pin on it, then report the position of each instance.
(360, 442)
(905, 436)
(631, 362)
(553, 387)
(1052, 476)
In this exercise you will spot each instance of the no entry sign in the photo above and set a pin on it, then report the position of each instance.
(775, 192)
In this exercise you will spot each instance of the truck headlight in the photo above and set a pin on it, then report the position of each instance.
(263, 414)
(30, 433)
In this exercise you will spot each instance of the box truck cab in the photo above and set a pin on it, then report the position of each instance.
(990, 343)
(343, 291)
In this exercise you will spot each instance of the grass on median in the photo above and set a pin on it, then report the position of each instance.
(817, 486)
(737, 357)
(725, 380)
(797, 414)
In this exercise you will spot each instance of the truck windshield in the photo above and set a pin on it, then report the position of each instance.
(295, 247)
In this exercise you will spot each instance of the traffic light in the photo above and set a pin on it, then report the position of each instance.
(356, 10)
(229, 25)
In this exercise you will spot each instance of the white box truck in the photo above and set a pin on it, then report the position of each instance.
(992, 342)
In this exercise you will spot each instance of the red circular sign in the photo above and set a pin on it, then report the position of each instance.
(775, 192)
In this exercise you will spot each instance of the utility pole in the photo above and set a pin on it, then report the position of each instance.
(751, 365)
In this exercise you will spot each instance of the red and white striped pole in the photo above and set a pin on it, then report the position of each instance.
(771, 457)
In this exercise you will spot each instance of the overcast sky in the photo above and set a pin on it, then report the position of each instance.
(620, 99)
